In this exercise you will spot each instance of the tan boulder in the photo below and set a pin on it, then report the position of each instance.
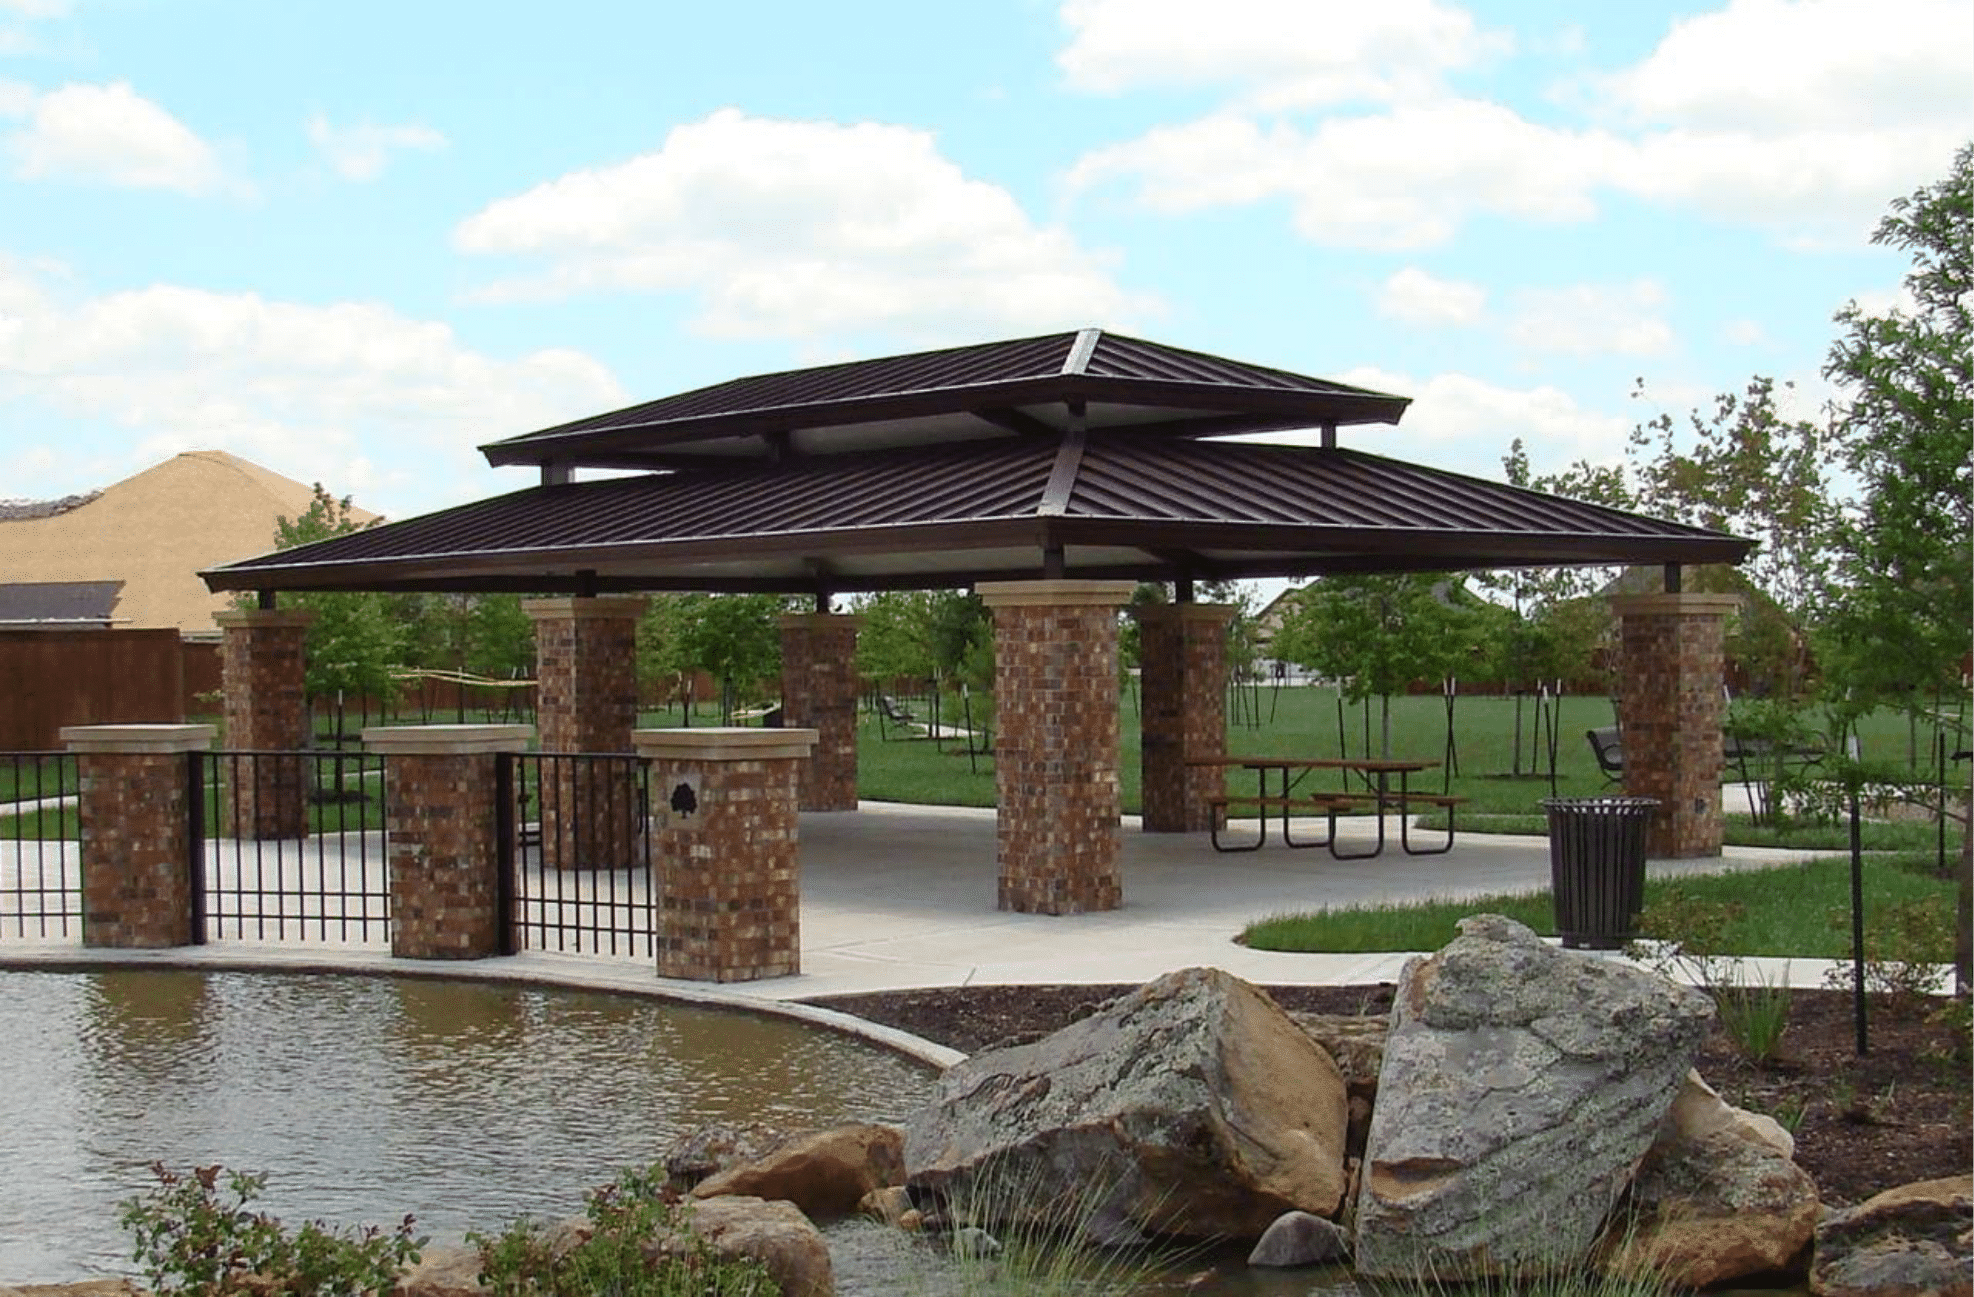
(889, 1205)
(776, 1234)
(825, 1174)
(443, 1272)
(1913, 1241)
(1717, 1197)
(1192, 1106)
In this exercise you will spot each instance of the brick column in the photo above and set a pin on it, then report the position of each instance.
(1183, 710)
(819, 692)
(439, 823)
(137, 842)
(1671, 665)
(726, 862)
(1055, 745)
(263, 657)
(586, 701)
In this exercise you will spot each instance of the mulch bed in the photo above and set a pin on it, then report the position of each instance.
(1898, 1113)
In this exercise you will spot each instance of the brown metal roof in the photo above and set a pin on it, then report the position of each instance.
(1102, 504)
(1025, 387)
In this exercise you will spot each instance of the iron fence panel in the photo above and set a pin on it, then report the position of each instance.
(40, 847)
(576, 854)
(292, 847)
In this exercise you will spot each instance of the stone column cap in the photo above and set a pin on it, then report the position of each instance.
(724, 743)
(825, 620)
(445, 740)
(1691, 602)
(1062, 593)
(138, 738)
(264, 617)
(583, 607)
(1220, 612)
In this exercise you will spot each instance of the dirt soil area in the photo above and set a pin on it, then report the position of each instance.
(1898, 1113)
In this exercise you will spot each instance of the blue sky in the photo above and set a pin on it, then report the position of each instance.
(352, 242)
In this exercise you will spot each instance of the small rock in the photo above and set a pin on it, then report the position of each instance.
(975, 1243)
(1913, 1241)
(711, 1149)
(889, 1204)
(825, 1174)
(1298, 1239)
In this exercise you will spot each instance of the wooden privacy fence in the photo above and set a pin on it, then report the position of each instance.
(52, 678)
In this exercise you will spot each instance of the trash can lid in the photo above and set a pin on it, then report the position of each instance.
(1613, 804)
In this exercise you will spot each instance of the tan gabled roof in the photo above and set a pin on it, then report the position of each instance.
(155, 531)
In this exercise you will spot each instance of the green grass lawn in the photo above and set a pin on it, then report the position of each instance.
(1504, 776)
(1792, 910)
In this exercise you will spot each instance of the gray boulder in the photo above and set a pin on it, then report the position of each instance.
(1913, 1241)
(1298, 1239)
(1521, 1086)
(1191, 1107)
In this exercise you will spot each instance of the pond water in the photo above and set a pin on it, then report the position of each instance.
(364, 1098)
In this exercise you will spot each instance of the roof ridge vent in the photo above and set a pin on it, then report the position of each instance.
(1080, 350)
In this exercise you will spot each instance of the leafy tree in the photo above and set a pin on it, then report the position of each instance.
(733, 637)
(895, 640)
(356, 640)
(1899, 624)
(1377, 634)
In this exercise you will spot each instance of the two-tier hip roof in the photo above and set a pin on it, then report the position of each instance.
(1083, 454)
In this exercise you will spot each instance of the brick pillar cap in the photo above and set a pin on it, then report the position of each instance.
(583, 607)
(228, 617)
(445, 740)
(1695, 603)
(724, 743)
(1005, 594)
(138, 738)
(823, 620)
(1220, 612)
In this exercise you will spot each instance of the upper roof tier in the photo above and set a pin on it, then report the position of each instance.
(1046, 386)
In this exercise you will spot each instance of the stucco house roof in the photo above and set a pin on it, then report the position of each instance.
(154, 532)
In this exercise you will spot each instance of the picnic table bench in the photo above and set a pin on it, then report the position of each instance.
(1284, 799)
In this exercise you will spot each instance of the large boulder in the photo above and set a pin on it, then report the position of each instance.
(776, 1234)
(1912, 1241)
(825, 1174)
(1717, 1197)
(1521, 1086)
(1191, 1107)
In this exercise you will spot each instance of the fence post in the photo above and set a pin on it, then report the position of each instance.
(725, 856)
(442, 829)
(139, 849)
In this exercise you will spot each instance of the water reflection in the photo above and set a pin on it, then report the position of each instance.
(365, 1098)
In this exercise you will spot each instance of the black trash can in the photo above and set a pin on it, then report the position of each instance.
(1597, 867)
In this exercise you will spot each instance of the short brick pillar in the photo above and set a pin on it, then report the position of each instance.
(586, 701)
(819, 692)
(440, 818)
(1055, 746)
(1671, 667)
(726, 860)
(137, 844)
(1182, 709)
(263, 660)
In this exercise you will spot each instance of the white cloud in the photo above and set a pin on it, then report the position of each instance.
(1592, 319)
(1800, 116)
(798, 229)
(1469, 424)
(350, 394)
(35, 8)
(1406, 179)
(1282, 53)
(1745, 333)
(1416, 297)
(1786, 66)
(362, 151)
(108, 134)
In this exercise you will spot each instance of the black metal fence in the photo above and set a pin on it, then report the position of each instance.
(290, 847)
(40, 851)
(575, 848)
